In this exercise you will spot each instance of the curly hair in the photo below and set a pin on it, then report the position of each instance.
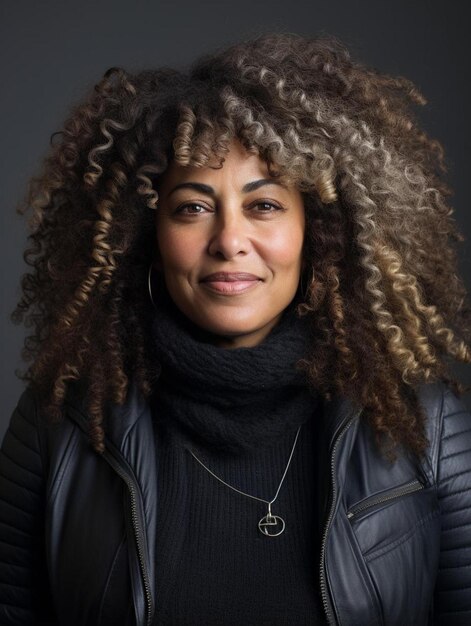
(387, 304)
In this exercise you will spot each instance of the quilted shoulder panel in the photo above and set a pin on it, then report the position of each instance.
(453, 587)
(24, 592)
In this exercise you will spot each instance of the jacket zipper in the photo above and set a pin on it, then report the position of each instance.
(402, 490)
(323, 582)
(135, 522)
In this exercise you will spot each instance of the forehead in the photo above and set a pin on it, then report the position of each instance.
(239, 166)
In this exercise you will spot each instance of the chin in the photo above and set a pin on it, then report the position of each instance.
(236, 333)
(230, 325)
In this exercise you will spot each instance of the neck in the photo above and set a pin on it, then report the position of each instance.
(235, 399)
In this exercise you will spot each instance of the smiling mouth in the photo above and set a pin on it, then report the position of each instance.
(230, 276)
(231, 287)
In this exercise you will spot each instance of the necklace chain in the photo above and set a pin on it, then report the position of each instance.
(269, 519)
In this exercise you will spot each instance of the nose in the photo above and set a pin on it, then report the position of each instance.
(230, 235)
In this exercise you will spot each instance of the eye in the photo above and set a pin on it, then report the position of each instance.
(268, 207)
(191, 209)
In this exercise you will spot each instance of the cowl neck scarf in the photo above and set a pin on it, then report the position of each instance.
(234, 400)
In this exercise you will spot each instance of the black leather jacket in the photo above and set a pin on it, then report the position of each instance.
(78, 530)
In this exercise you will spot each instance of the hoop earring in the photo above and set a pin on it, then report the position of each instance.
(301, 287)
(149, 285)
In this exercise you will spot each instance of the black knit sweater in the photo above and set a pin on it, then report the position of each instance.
(238, 411)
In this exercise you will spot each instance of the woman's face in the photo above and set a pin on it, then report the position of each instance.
(229, 245)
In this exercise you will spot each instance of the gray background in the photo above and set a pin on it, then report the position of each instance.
(52, 51)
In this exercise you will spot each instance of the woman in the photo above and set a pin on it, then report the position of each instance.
(245, 297)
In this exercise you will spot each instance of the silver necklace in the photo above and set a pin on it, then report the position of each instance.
(270, 525)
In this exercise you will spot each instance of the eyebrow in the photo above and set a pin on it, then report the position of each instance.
(209, 191)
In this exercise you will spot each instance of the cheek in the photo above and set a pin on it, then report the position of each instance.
(286, 247)
(177, 249)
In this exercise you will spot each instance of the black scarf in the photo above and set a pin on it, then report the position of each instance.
(236, 399)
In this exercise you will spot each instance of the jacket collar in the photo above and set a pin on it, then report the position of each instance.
(118, 422)
(336, 412)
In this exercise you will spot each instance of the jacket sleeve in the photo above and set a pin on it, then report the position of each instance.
(452, 602)
(24, 589)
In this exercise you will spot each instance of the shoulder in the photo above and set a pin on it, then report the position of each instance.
(448, 428)
(31, 431)
(447, 413)
(23, 421)
(27, 405)
(22, 453)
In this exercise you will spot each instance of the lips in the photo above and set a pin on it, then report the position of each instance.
(230, 277)
(230, 283)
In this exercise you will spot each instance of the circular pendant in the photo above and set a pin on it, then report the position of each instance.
(271, 525)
